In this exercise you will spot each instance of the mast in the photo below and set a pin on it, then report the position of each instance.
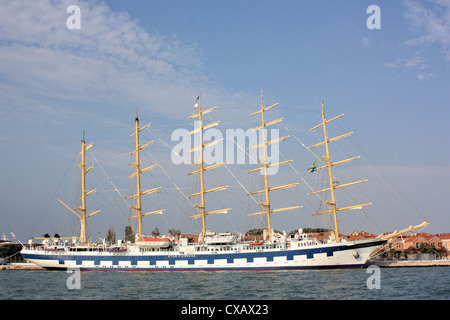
(199, 129)
(83, 211)
(268, 211)
(137, 173)
(330, 176)
(333, 185)
(266, 181)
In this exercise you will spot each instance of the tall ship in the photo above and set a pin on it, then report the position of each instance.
(214, 251)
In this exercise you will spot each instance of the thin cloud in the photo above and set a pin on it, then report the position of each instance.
(430, 22)
(424, 76)
(431, 19)
(365, 41)
(111, 59)
(416, 62)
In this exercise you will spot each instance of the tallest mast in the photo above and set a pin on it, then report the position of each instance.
(266, 181)
(265, 166)
(137, 173)
(202, 168)
(199, 127)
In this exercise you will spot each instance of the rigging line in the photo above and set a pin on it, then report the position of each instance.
(176, 153)
(366, 194)
(282, 156)
(296, 138)
(6, 258)
(251, 196)
(240, 147)
(108, 132)
(248, 154)
(112, 183)
(109, 141)
(225, 165)
(167, 175)
(192, 165)
(219, 178)
(171, 198)
(298, 173)
(109, 196)
(164, 171)
(69, 168)
(385, 178)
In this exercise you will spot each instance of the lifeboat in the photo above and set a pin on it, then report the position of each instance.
(117, 250)
(256, 243)
(221, 238)
(153, 242)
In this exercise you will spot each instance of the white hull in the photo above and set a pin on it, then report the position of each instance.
(228, 257)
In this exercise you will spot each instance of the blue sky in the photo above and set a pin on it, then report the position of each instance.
(392, 84)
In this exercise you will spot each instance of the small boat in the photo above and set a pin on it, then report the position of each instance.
(119, 249)
(221, 238)
(153, 242)
(256, 243)
(4, 240)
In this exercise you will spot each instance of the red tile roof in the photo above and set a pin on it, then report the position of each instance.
(444, 236)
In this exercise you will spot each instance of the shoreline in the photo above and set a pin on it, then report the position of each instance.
(408, 263)
(20, 266)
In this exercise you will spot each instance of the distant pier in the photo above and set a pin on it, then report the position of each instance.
(407, 263)
(20, 266)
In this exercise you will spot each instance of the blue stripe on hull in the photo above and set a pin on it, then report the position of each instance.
(352, 266)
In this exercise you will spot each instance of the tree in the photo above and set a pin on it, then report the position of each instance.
(254, 232)
(129, 234)
(427, 248)
(155, 232)
(393, 254)
(111, 237)
(258, 232)
(315, 230)
(175, 233)
(442, 252)
(411, 250)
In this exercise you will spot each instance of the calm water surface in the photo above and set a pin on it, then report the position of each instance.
(395, 283)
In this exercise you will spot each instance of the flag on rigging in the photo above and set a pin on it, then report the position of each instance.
(313, 168)
(196, 102)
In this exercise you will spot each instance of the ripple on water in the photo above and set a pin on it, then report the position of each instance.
(396, 283)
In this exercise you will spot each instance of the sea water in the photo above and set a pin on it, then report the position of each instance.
(414, 283)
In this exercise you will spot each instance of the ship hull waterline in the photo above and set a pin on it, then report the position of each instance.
(352, 255)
